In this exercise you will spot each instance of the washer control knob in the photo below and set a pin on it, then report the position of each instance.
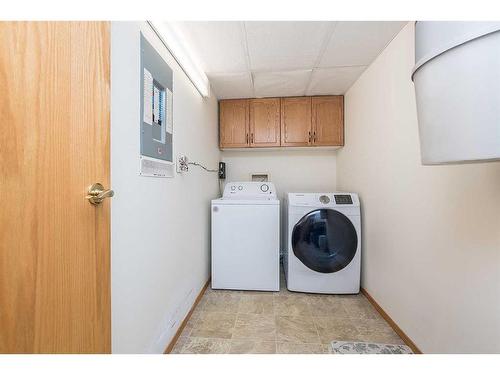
(240, 187)
(264, 188)
(233, 188)
(324, 199)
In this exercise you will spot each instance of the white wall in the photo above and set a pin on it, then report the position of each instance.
(431, 254)
(160, 227)
(289, 170)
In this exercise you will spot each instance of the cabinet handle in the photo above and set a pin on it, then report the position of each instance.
(247, 138)
(251, 138)
(309, 141)
(314, 137)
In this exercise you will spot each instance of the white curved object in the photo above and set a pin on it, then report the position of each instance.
(457, 86)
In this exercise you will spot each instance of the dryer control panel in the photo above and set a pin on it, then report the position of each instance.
(250, 190)
(323, 199)
(343, 198)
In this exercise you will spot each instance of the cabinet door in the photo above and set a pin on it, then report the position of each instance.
(328, 120)
(265, 122)
(234, 123)
(296, 121)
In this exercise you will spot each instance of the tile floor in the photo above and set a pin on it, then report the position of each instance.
(280, 322)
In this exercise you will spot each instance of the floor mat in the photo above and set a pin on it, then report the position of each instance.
(356, 347)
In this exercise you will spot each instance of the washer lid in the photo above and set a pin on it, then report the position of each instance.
(241, 202)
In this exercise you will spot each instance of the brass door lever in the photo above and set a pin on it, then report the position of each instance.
(96, 193)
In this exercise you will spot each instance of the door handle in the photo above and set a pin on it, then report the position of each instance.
(96, 193)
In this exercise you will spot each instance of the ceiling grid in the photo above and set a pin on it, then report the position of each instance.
(286, 58)
(321, 53)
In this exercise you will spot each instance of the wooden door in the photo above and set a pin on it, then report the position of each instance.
(328, 120)
(234, 123)
(296, 121)
(265, 122)
(54, 143)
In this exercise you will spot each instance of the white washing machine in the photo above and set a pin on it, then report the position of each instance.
(322, 237)
(245, 237)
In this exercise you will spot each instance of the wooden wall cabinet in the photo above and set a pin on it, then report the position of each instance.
(286, 122)
(328, 120)
(296, 122)
(265, 122)
(234, 125)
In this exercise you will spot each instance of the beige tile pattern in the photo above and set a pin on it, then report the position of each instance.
(326, 305)
(299, 348)
(300, 329)
(292, 305)
(336, 329)
(255, 326)
(214, 325)
(256, 304)
(281, 322)
(200, 345)
(359, 307)
(221, 302)
(252, 346)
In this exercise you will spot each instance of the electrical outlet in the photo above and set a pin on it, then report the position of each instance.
(182, 164)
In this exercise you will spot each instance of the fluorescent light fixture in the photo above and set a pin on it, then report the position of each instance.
(172, 39)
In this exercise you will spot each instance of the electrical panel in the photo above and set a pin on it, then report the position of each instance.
(156, 121)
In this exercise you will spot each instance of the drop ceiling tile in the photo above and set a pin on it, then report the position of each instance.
(333, 81)
(219, 46)
(232, 85)
(275, 46)
(359, 42)
(292, 83)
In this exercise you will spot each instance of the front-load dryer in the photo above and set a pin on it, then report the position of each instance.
(322, 237)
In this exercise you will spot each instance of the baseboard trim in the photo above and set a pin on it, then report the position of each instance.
(392, 323)
(186, 319)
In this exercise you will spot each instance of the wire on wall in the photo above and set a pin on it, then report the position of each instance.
(208, 170)
(202, 166)
(183, 164)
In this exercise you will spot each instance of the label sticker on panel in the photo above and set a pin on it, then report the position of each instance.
(148, 97)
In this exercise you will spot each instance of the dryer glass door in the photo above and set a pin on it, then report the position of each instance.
(324, 240)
